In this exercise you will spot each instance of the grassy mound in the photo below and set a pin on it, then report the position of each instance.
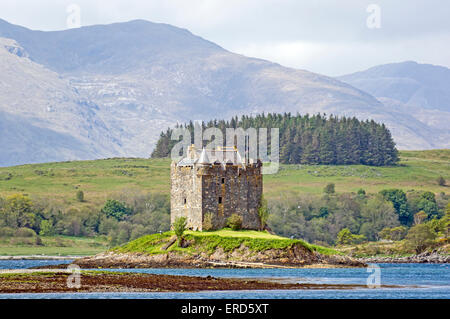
(208, 242)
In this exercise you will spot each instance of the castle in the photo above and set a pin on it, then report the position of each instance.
(216, 182)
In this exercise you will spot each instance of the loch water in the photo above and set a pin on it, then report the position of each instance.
(418, 281)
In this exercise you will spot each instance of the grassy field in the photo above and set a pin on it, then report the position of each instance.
(100, 179)
(52, 246)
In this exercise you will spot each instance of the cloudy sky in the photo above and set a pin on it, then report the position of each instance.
(324, 36)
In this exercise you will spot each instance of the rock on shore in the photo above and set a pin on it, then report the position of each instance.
(427, 257)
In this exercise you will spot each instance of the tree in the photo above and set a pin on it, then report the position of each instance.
(46, 228)
(398, 198)
(376, 215)
(310, 139)
(115, 209)
(263, 213)
(446, 221)
(329, 189)
(80, 196)
(18, 211)
(179, 226)
(344, 237)
(441, 181)
(419, 217)
(420, 237)
(427, 203)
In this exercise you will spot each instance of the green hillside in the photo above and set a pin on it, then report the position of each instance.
(100, 179)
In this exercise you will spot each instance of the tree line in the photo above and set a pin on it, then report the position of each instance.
(327, 219)
(306, 139)
(388, 214)
(121, 219)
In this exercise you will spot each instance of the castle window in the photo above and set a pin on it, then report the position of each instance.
(184, 200)
(223, 180)
(220, 200)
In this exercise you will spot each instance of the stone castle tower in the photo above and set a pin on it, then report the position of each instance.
(216, 182)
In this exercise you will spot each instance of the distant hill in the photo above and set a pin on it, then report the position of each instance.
(421, 91)
(421, 85)
(113, 88)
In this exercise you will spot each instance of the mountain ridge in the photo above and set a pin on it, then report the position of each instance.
(123, 89)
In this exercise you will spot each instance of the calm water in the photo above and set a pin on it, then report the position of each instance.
(421, 281)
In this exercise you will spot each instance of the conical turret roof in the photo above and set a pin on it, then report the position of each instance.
(203, 158)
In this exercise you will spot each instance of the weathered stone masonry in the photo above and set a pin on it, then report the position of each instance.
(204, 183)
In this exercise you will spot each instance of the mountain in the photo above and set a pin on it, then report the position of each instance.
(113, 88)
(42, 118)
(422, 85)
(421, 91)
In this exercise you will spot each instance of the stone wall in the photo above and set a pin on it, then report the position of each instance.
(240, 193)
(185, 196)
(201, 189)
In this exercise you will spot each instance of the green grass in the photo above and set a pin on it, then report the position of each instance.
(416, 170)
(100, 179)
(53, 246)
(227, 232)
(226, 239)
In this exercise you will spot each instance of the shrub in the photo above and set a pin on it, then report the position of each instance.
(7, 231)
(80, 196)
(208, 223)
(234, 222)
(24, 232)
(345, 237)
(419, 238)
(329, 189)
(179, 226)
(22, 241)
(399, 233)
(395, 233)
(38, 241)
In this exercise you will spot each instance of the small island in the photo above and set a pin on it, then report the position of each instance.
(214, 249)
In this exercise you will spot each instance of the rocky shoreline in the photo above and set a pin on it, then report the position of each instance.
(295, 257)
(103, 281)
(427, 257)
